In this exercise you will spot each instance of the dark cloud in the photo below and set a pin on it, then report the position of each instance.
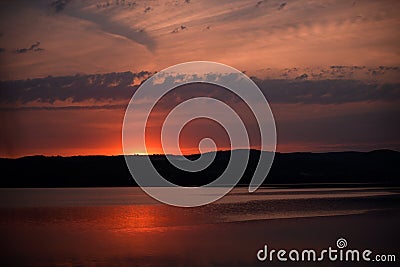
(121, 86)
(21, 50)
(181, 28)
(112, 86)
(327, 91)
(121, 3)
(2, 50)
(307, 91)
(282, 6)
(341, 72)
(59, 5)
(59, 108)
(34, 47)
(302, 77)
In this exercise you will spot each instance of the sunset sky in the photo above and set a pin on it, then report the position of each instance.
(330, 69)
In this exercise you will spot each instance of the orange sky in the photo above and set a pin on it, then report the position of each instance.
(81, 115)
(85, 37)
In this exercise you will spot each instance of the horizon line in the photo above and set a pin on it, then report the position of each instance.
(196, 154)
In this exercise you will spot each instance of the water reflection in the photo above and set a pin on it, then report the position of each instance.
(223, 234)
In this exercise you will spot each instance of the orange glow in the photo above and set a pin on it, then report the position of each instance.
(309, 37)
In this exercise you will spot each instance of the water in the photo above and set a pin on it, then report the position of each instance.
(125, 227)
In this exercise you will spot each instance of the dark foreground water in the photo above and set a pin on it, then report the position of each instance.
(125, 227)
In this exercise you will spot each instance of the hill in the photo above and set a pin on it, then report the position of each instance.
(381, 167)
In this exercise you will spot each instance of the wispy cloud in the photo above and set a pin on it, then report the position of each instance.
(109, 24)
(246, 34)
(34, 47)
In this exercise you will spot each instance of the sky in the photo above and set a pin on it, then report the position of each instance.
(329, 69)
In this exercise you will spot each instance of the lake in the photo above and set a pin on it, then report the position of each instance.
(125, 227)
